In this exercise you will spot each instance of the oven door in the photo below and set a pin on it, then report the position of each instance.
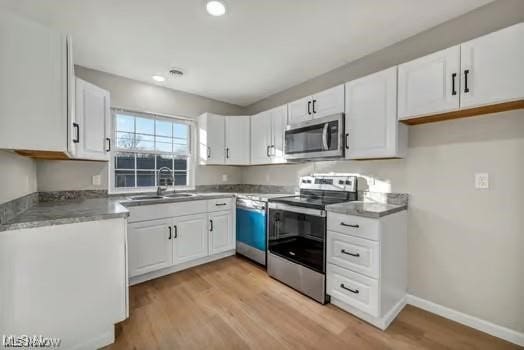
(298, 234)
(317, 138)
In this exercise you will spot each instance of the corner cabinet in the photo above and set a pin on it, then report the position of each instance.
(321, 104)
(91, 134)
(268, 136)
(372, 128)
(165, 238)
(224, 139)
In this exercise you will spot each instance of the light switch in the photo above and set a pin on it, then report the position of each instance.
(97, 180)
(482, 181)
(224, 177)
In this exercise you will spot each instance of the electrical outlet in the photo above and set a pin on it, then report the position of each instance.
(482, 181)
(224, 177)
(97, 180)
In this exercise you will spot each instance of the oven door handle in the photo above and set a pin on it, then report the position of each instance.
(325, 137)
(297, 209)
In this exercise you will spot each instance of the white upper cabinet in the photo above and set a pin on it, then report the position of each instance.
(221, 232)
(190, 240)
(430, 84)
(492, 68)
(328, 102)
(238, 140)
(324, 103)
(212, 138)
(260, 138)
(372, 128)
(267, 136)
(91, 136)
(278, 117)
(34, 70)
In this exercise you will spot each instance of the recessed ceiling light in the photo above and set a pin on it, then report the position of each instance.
(158, 78)
(216, 8)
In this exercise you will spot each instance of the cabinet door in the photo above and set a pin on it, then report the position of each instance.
(328, 102)
(371, 116)
(429, 85)
(212, 138)
(91, 125)
(278, 131)
(300, 110)
(33, 86)
(150, 246)
(190, 238)
(221, 233)
(238, 140)
(260, 138)
(492, 68)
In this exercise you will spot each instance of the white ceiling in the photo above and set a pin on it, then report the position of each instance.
(259, 48)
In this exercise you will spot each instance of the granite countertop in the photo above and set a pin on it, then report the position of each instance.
(67, 212)
(366, 208)
(128, 202)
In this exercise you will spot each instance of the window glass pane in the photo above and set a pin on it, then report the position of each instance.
(145, 161)
(180, 149)
(145, 142)
(164, 128)
(125, 140)
(163, 144)
(124, 178)
(145, 178)
(180, 164)
(125, 123)
(164, 161)
(180, 179)
(125, 161)
(181, 131)
(145, 126)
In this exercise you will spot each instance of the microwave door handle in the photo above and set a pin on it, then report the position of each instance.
(325, 137)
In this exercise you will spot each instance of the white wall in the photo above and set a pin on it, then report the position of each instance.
(17, 176)
(134, 95)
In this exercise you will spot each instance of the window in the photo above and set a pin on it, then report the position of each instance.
(145, 144)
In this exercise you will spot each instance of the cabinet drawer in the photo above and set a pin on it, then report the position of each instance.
(219, 204)
(353, 289)
(159, 211)
(356, 254)
(354, 225)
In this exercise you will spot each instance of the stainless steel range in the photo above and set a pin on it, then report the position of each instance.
(297, 232)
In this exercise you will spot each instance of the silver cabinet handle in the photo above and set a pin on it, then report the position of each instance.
(349, 225)
(356, 255)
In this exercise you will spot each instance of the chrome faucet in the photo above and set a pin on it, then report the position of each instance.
(161, 175)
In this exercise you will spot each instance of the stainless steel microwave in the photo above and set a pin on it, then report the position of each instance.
(316, 139)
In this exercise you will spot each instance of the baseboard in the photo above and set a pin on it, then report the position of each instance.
(155, 274)
(468, 320)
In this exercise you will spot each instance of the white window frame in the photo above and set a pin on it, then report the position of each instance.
(192, 161)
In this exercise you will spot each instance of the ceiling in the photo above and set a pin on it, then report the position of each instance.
(258, 48)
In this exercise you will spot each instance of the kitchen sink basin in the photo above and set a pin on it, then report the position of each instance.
(142, 198)
(179, 195)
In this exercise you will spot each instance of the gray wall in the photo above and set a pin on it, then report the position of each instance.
(17, 176)
(465, 245)
(134, 95)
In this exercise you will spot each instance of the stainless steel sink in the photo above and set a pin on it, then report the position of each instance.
(142, 198)
(180, 195)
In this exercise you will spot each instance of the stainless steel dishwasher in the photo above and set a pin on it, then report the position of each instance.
(251, 229)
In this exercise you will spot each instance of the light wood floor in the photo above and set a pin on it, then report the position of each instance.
(234, 304)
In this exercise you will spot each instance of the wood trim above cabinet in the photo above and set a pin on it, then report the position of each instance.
(49, 155)
(465, 113)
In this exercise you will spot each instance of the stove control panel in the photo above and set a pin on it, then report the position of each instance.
(329, 183)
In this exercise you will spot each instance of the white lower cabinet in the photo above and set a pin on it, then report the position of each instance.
(189, 238)
(366, 272)
(221, 232)
(150, 246)
(164, 238)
